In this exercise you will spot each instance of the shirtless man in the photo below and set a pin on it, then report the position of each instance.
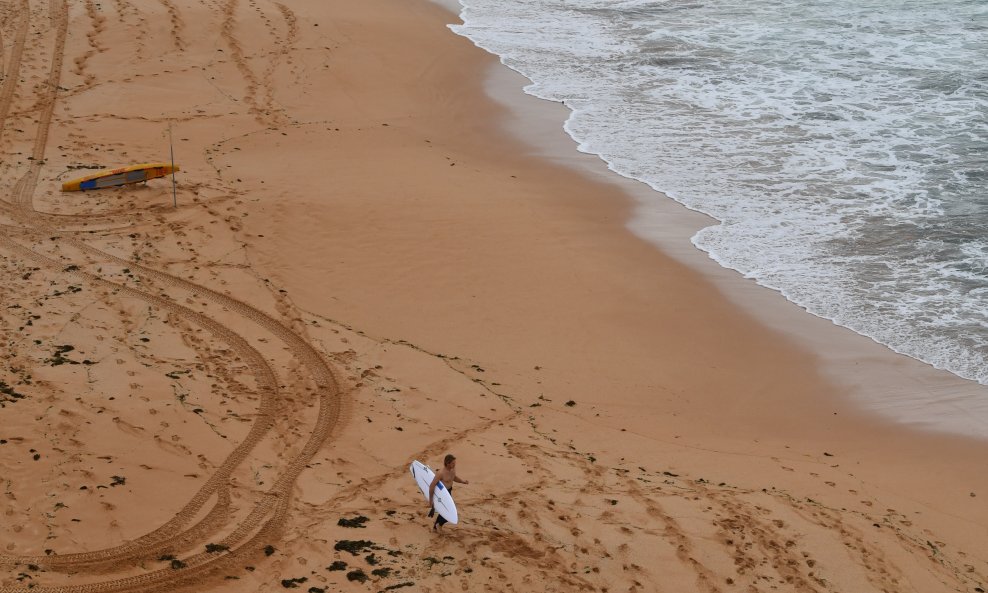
(448, 475)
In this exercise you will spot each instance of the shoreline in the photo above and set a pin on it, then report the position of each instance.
(902, 389)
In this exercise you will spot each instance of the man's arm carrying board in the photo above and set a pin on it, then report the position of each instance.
(442, 500)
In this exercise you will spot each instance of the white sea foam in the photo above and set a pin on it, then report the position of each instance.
(841, 144)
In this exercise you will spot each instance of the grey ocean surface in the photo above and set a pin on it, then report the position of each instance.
(842, 145)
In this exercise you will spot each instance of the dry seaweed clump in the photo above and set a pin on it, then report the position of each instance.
(8, 395)
(357, 575)
(58, 358)
(356, 522)
(355, 547)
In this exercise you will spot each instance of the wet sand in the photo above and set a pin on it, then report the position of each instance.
(367, 268)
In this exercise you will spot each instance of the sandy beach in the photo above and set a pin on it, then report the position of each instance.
(367, 266)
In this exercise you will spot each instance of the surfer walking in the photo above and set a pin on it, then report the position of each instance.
(447, 475)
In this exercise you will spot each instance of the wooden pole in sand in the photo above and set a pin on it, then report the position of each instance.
(171, 148)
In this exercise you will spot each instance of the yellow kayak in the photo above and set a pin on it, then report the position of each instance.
(121, 176)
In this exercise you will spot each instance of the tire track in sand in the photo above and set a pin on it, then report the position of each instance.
(25, 186)
(23, 191)
(280, 491)
(273, 505)
(142, 547)
(267, 388)
(14, 67)
(266, 520)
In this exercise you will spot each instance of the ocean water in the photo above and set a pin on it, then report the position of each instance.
(841, 144)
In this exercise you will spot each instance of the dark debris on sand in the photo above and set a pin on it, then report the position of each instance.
(8, 394)
(355, 547)
(356, 522)
(293, 583)
(357, 575)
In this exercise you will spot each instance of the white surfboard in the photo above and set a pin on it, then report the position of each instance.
(442, 500)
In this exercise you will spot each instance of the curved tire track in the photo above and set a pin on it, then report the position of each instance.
(266, 520)
(14, 68)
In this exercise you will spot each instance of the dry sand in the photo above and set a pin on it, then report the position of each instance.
(364, 269)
